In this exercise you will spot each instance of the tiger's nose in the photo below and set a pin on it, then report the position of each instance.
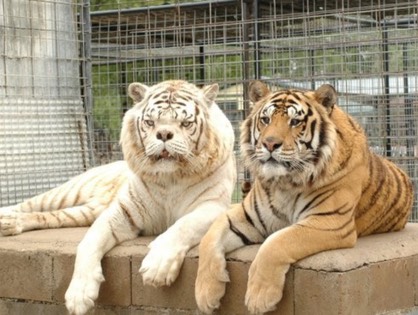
(271, 143)
(164, 135)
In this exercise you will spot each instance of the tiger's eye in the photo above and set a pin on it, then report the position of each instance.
(295, 122)
(186, 124)
(149, 123)
(265, 120)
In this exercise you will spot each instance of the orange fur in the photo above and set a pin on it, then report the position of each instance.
(317, 187)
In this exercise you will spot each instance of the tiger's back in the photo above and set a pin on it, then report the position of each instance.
(77, 202)
(386, 195)
(386, 200)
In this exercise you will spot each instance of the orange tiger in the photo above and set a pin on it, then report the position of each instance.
(317, 187)
(177, 177)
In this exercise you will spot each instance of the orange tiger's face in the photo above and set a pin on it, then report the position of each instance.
(168, 125)
(288, 133)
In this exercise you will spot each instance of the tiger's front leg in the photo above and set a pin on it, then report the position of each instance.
(111, 228)
(281, 249)
(222, 237)
(163, 262)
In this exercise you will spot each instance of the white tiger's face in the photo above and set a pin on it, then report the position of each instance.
(168, 125)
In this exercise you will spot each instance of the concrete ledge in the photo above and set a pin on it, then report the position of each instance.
(378, 276)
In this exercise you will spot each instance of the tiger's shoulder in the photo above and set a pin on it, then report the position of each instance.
(302, 144)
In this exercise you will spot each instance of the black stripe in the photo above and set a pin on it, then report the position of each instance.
(350, 220)
(323, 135)
(371, 175)
(313, 128)
(156, 95)
(247, 216)
(380, 180)
(349, 232)
(383, 219)
(335, 211)
(295, 95)
(114, 236)
(201, 127)
(308, 205)
(257, 211)
(140, 207)
(238, 233)
(56, 216)
(296, 200)
(85, 216)
(353, 124)
(71, 217)
(126, 213)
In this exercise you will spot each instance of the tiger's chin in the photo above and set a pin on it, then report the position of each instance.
(173, 164)
(166, 164)
(282, 172)
(272, 169)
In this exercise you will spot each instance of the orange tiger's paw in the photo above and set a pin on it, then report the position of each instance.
(265, 288)
(210, 288)
(263, 299)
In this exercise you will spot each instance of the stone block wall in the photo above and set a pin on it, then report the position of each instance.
(378, 276)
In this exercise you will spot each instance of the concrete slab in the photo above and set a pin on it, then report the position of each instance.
(378, 276)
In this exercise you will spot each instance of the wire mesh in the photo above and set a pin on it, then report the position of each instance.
(366, 49)
(43, 134)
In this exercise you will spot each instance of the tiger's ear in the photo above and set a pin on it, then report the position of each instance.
(257, 90)
(137, 91)
(210, 92)
(327, 96)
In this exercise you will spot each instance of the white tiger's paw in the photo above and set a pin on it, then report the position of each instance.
(162, 264)
(210, 284)
(10, 223)
(82, 293)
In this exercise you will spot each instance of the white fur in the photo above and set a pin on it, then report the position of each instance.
(169, 200)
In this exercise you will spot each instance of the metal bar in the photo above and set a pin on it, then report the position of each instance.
(202, 63)
(86, 77)
(409, 111)
(386, 97)
(245, 71)
(256, 39)
(165, 7)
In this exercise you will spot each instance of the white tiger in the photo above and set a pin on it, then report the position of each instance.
(178, 177)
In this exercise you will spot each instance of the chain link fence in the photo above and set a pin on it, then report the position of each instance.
(66, 66)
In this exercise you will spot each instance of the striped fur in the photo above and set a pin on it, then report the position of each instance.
(317, 187)
(177, 177)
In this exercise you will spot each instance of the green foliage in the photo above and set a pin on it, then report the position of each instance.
(108, 103)
(102, 5)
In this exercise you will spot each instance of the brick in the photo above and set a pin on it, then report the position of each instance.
(180, 295)
(116, 290)
(391, 285)
(414, 268)
(26, 274)
(319, 292)
(63, 271)
(234, 300)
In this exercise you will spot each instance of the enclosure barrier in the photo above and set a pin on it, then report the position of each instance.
(378, 276)
(64, 69)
